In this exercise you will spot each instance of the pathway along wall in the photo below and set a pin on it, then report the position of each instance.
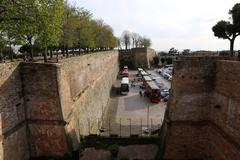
(204, 110)
(44, 107)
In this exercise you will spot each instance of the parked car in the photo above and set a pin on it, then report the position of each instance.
(160, 71)
(170, 78)
(164, 93)
(166, 75)
(165, 99)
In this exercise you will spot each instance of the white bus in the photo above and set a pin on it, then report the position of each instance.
(143, 73)
(124, 86)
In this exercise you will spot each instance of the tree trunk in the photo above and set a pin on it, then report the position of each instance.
(79, 51)
(31, 51)
(73, 51)
(67, 51)
(31, 47)
(10, 51)
(63, 51)
(45, 54)
(232, 47)
(57, 56)
(51, 53)
(1, 55)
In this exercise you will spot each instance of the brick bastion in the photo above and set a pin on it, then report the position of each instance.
(45, 107)
(204, 110)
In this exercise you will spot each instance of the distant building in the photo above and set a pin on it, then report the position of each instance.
(136, 57)
(204, 53)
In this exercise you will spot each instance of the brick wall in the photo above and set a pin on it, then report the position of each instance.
(85, 90)
(44, 106)
(13, 135)
(136, 57)
(204, 108)
(44, 114)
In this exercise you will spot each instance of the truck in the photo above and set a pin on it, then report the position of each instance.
(124, 89)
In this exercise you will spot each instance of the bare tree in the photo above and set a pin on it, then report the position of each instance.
(126, 39)
(135, 39)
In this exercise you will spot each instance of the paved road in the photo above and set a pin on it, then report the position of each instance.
(133, 109)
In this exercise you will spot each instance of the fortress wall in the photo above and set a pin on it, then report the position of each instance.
(85, 85)
(13, 135)
(44, 114)
(45, 106)
(204, 110)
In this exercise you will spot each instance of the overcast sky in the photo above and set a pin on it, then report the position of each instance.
(168, 23)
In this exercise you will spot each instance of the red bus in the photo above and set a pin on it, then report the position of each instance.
(152, 91)
(124, 73)
(145, 80)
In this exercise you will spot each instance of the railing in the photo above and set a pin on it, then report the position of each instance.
(122, 127)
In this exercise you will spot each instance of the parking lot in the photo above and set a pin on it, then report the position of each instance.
(132, 113)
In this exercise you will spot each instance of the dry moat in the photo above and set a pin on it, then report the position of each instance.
(55, 106)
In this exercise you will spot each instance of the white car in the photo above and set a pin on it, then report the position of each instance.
(170, 78)
(166, 75)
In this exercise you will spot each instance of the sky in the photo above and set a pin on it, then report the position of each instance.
(182, 24)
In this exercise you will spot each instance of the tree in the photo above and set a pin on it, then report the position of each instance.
(126, 39)
(28, 28)
(146, 42)
(119, 43)
(50, 23)
(72, 26)
(156, 60)
(229, 29)
(169, 60)
(162, 53)
(135, 39)
(186, 51)
(2, 44)
(162, 60)
(173, 51)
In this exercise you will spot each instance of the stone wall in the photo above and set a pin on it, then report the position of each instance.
(136, 57)
(44, 107)
(85, 90)
(44, 113)
(13, 131)
(204, 110)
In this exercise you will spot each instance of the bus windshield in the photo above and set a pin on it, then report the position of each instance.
(155, 93)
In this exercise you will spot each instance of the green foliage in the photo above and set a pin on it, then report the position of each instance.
(50, 22)
(173, 51)
(146, 42)
(162, 53)
(53, 24)
(186, 51)
(162, 60)
(169, 60)
(114, 149)
(156, 60)
(229, 29)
